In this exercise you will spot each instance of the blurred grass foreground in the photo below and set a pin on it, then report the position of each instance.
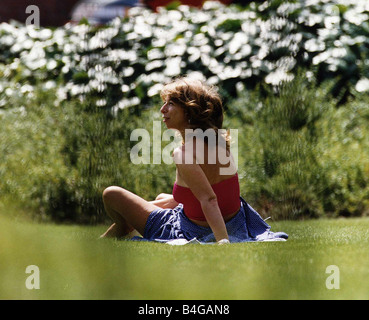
(74, 264)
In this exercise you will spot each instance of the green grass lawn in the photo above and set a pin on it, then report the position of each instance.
(75, 264)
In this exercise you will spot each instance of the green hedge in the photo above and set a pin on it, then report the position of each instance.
(300, 155)
(56, 161)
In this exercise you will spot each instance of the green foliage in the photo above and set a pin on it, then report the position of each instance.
(301, 156)
(31, 169)
(57, 160)
(344, 159)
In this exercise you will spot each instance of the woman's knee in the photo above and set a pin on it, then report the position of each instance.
(111, 193)
(161, 196)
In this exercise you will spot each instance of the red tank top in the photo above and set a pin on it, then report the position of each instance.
(227, 192)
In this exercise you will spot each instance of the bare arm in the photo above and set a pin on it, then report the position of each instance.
(196, 180)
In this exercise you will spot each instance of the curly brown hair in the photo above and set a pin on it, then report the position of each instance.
(202, 103)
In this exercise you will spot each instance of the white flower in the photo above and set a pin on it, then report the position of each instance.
(362, 85)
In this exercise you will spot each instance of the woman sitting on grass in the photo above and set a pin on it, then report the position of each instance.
(206, 202)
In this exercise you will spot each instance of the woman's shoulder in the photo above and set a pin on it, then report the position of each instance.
(178, 154)
(185, 154)
(201, 153)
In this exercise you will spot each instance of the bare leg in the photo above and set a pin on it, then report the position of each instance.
(115, 231)
(165, 200)
(161, 196)
(127, 210)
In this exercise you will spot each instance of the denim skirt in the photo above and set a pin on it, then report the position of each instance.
(166, 225)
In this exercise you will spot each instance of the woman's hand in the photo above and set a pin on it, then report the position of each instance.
(214, 217)
(223, 241)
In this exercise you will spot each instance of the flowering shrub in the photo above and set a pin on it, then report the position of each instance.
(125, 63)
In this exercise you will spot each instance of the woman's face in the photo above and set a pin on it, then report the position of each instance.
(174, 116)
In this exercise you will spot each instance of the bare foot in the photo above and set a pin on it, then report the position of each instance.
(117, 231)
